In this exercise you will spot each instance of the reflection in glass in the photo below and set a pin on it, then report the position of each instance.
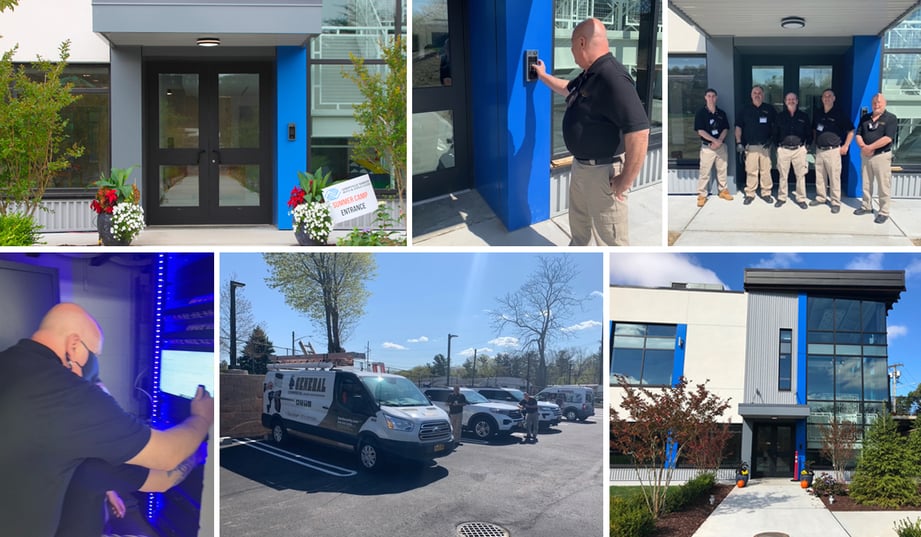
(431, 57)
(847, 315)
(874, 318)
(812, 82)
(770, 78)
(238, 110)
(433, 141)
(658, 367)
(820, 378)
(820, 314)
(875, 379)
(239, 185)
(178, 105)
(178, 186)
(627, 362)
(847, 378)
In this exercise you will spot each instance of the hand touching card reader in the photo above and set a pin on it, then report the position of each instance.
(530, 58)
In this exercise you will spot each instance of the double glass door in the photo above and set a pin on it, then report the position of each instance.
(773, 456)
(209, 143)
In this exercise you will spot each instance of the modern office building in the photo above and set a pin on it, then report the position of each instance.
(795, 350)
(479, 123)
(857, 48)
(217, 104)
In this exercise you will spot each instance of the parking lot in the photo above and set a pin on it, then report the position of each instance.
(553, 487)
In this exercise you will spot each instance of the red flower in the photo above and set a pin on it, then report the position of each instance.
(297, 197)
(106, 199)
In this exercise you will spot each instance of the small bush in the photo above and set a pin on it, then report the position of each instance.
(826, 485)
(630, 517)
(18, 230)
(689, 492)
(907, 528)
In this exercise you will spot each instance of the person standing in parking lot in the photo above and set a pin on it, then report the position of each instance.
(530, 409)
(456, 402)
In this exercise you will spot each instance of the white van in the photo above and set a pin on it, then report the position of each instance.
(482, 417)
(377, 415)
(576, 402)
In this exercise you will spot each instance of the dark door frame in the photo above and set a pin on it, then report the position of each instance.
(773, 427)
(455, 98)
(209, 156)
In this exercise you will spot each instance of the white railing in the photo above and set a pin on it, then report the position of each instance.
(622, 475)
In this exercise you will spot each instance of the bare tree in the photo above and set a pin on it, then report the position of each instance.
(539, 309)
(839, 444)
(328, 288)
(245, 321)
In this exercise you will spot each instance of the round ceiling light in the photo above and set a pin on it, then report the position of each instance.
(208, 41)
(793, 23)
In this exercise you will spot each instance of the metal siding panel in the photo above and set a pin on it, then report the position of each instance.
(767, 314)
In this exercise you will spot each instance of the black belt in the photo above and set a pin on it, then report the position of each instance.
(600, 161)
(791, 146)
(827, 147)
(881, 151)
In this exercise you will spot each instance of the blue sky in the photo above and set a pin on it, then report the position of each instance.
(417, 299)
(904, 321)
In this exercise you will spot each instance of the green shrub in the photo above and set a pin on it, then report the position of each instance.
(18, 230)
(907, 528)
(689, 492)
(630, 517)
(826, 485)
(885, 472)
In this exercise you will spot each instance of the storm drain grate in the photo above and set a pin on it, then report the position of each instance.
(771, 534)
(481, 529)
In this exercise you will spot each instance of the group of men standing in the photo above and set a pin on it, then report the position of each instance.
(759, 127)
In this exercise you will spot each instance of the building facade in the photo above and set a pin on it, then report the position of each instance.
(857, 48)
(217, 105)
(797, 350)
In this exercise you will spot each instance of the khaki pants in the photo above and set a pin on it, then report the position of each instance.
(828, 169)
(758, 162)
(796, 157)
(878, 169)
(594, 212)
(708, 159)
(457, 421)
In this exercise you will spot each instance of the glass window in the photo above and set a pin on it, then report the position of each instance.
(785, 360)
(875, 379)
(820, 378)
(770, 78)
(687, 81)
(847, 315)
(431, 58)
(847, 378)
(901, 83)
(622, 20)
(644, 354)
(873, 315)
(812, 82)
(433, 141)
(87, 125)
(820, 314)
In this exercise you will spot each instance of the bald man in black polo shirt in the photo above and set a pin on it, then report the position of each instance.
(606, 129)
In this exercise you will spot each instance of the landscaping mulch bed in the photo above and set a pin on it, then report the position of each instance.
(685, 523)
(846, 503)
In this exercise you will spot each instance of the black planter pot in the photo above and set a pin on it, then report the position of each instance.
(104, 228)
(305, 240)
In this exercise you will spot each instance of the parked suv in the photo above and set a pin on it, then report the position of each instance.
(577, 402)
(550, 413)
(482, 417)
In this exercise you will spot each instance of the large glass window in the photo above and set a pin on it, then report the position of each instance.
(643, 353)
(687, 82)
(901, 84)
(623, 20)
(846, 366)
(87, 125)
(785, 360)
(349, 27)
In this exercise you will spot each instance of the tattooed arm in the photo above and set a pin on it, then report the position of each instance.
(163, 480)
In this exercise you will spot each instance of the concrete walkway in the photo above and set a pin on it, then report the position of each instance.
(780, 505)
(731, 223)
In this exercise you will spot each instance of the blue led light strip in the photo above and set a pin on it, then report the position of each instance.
(154, 501)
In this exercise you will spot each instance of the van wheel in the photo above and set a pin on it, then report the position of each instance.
(369, 455)
(571, 414)
(279, 433)
(484, 428)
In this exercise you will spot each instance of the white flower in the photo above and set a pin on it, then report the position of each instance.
(127, 221)
(314, 219)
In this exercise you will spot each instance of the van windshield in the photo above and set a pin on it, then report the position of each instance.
(394, 391)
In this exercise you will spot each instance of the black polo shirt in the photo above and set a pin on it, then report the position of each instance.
(601, 106)
(871, 131)
(831, 127)
(757, 124)
(793, 129)
(714, 123)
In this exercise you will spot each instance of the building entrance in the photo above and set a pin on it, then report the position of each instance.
(209, 143)
(773, 456)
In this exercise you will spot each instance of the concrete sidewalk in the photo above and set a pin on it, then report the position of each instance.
(780, 505)
(265, 236)
(464, 219)
(731, 223)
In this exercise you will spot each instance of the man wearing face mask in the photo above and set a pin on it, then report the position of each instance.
(875, 134)
(54, 420)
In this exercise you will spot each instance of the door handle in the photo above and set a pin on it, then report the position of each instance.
(215, 156)
(200, 153)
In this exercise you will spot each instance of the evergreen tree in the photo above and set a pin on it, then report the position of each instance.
(256, 352)
(885, 469)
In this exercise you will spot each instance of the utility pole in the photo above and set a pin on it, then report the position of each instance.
(233, 322)
(894, 377)
(448, 379)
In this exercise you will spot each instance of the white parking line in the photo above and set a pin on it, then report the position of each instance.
(313, 464)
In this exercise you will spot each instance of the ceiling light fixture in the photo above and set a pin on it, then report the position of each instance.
(208, 41)
(793, 23)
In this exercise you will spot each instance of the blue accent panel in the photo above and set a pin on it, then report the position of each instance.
(291, 105)
(800, 445)
(865, 83)
(671, 454)
(801, 349)
(681, 334)
(510, 118)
